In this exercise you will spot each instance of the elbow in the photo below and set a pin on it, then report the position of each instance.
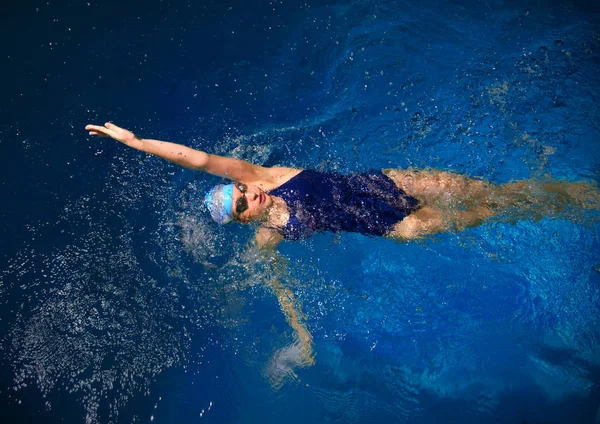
(198, 161)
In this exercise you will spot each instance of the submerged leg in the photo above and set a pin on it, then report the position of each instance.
(530, 199)
(452, 202)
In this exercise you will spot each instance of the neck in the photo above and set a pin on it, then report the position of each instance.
(277, 206)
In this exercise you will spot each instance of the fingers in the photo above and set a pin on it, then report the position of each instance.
(107, 126)
(100, 131)
(112, 126)
(109, 130)
(95, 128)
(98, 134)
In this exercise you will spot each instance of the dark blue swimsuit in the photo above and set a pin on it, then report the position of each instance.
(367, 203)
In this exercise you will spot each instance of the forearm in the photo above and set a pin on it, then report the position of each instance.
(176, 153)
(295, 320)
(276, 270)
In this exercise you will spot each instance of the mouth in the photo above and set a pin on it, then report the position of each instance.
(262, 198)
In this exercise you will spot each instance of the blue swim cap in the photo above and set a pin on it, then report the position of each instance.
(219, 201)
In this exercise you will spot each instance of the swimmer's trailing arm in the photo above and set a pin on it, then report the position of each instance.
(234, 169)
(295, 318)
(290, 307)
(267, 238)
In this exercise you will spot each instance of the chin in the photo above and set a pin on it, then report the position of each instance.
(267, 204)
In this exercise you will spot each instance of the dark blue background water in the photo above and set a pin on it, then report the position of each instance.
(121, 301)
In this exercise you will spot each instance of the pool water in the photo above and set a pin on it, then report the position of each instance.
(121, 301)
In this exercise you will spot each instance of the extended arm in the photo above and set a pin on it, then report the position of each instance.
(234, 169)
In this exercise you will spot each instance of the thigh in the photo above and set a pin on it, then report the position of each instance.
(426, 221)
(433, 220)
(435, 186)
(403, 178)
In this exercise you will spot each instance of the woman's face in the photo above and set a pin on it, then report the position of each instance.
(258, 202)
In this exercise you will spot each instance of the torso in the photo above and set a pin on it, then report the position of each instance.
(311, 201)
(279, 215)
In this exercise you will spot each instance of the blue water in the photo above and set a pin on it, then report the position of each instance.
(120, 301)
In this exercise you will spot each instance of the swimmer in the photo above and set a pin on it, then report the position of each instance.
(290, 203)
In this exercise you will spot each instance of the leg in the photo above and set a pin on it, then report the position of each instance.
(530, 199)
(580, 194)
(425, 221)
(440, 188)
(454, 202)
(432, 220)
(449, 189)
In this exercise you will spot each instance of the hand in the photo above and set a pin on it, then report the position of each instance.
(113, 131)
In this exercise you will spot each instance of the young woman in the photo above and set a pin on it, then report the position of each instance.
(293, 203)
(290, 203)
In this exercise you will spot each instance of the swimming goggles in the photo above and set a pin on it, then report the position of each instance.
(241, 204)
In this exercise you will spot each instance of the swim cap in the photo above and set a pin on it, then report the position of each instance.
(219, 201)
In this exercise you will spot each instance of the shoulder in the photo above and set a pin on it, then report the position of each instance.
(277, 176)
(267, 237)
